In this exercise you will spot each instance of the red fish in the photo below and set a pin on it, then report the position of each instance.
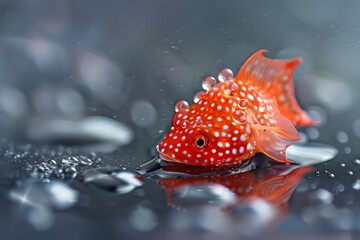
(233, 120)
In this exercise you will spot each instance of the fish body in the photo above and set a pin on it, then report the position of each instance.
(233, 120)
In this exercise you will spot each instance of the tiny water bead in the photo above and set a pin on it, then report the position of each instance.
(231, 88)
(243, 103)
(262, 107)
(356, 161)
(239, 116)
(184, 123)
(208, 82)
(356, 184)
(350, 173)
(225, 74)
(198, 96)
(181, 105)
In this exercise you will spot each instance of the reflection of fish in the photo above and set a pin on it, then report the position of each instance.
(254, 112)
(274, 185)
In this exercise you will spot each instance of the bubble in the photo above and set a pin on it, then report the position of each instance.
(243, 103)
(225, 74)
(342, 137)
(239, 116)
(143, 113)
(231, 88)
(208, 82)
(198, 96)
(120, 182)
(181, 105)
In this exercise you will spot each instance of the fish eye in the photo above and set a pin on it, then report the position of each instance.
(200, 141)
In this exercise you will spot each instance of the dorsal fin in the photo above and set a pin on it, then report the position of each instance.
(273, 140)
(274, 76)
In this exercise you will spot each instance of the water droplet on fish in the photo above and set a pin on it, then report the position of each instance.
(181, 105)
(198, 121)
(356, 161)
(350, 173)
(243, 103)
(262, 107)
(356, 184)
(225, 74)
(198, 96)
(184, 123)
(239, 116)
(231, 88)
(119, 182)
(208, 82)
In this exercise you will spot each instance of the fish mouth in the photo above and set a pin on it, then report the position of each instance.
(166, 157)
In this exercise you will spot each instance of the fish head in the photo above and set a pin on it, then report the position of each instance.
(209, 133)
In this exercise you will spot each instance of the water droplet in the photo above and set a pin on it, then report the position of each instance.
(356, 184)
(208, 82)
(350, 173)
(120, 182)
(243, 103)
(198, 121)
(181, 105)
(342, 137)
(262, 107)
(198, 96)
(184, 123)
(342, 165)
(331, 175)
(71, 161)
(231, 88)
(356, 161)
(225, 74)
(239, 116)
(317, 173)
(85, 161)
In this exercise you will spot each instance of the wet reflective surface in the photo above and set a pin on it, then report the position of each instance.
(88, 90)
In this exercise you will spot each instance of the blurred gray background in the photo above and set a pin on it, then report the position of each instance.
(132, 60)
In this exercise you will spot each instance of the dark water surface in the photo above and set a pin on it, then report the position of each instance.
(87, 90)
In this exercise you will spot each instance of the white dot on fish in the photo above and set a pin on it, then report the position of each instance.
(227, 144)
(220, 144)
(242, 138)
(234, 151)
(236, 132)
(198, 155)
(219, 108)
(176, 149)
(219, 119)
(227, 152)
(220, 154)
(173, 155)
(225, 127)
(171, 146)
(213, 150)
(241, 149)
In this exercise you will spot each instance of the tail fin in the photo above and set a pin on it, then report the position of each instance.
(275, 77)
